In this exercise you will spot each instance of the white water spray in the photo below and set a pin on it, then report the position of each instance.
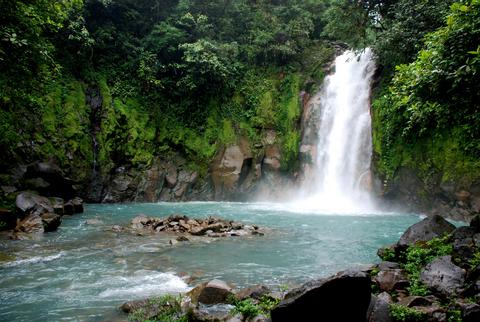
(342, 178)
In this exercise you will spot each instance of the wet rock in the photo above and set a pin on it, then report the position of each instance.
(194, 293)
(57, 204)
(179, 224)
(391, 279)
(68, 208)
(385, 265)
(214, 292)
(411, 301)
(182, 239)
(50, 221)
(475, 223)
(30, 203)
(31, 224)
(93, 222)
(380, 308)
(342, 297)
(212, 313)
(254, 292)
(8, 220)
(428, 228)
(442, 276)
(77, 205)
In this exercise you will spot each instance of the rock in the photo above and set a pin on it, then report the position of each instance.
(272, 158)
(93, 222)
(411, 301)
(212, 313)
(8, 220)
(388, 265)
(442, 276)
(342, 297)
(30, 224)
(236, 318)
(258, 318)
(28, 202)
(470, 311)
(214, 292)
(463, 246)
(254, 292)
(50, 221)
(391, 279)
(195, 292)
(130, 306)
(428, 228)
(77, 205)
(182, 239)
(57, 204)
(68, 208)
(54, 183)
(380, 308)
(475, 223)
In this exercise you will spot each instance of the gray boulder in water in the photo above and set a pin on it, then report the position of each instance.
(428, 228)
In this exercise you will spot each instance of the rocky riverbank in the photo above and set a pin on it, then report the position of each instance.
(45, 196)
(431, 274)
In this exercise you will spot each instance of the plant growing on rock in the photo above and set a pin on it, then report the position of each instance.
(163, 309)
(401, 313)
(419, 255)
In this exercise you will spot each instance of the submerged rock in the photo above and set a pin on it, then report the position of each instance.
(342, 297)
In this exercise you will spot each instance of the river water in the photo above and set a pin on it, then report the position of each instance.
(84, 272)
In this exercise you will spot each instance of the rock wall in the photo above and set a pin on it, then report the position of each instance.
(453, 200)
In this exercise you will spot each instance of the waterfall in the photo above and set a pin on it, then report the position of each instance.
(340, 176)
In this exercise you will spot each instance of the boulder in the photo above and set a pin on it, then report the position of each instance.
(342, 297)
(255, 292)
(8, 220)
(379, 310)
(214, 292)
(50, 221)
(57, 204)
(77, 205)
(211, 313)
(30, 224)
(31, 203)
(475, 223)
(391, 279)
(388, 265)
(442, 276)
(428, 228)
(463, 246)
(470, 311)
(68, 208)
(50, 180)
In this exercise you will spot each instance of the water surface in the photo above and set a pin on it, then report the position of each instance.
(83, 272)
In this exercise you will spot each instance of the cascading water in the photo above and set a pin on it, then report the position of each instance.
(341, 175)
